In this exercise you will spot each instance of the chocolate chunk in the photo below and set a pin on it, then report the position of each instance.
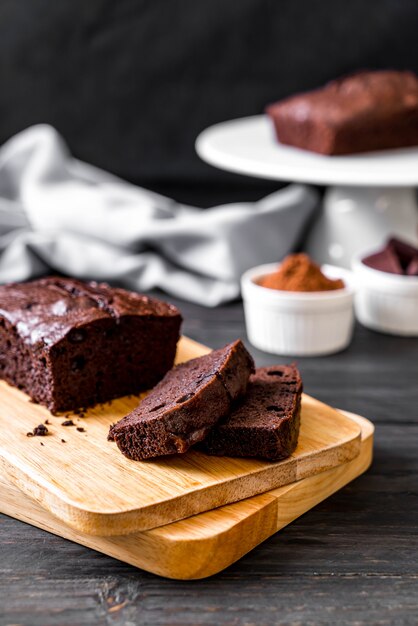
(385, 261)
(68, 423)
(412, 269)
(404, 251)
(397, 257)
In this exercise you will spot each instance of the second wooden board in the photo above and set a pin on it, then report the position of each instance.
(204, 544)
(86, 482)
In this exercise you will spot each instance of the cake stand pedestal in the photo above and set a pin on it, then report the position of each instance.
(368, 196)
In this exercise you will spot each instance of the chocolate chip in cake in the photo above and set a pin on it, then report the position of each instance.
(68, 423)
(276, 409)
(156, 408)
(184, 398)
(78, 363)
(77, 336)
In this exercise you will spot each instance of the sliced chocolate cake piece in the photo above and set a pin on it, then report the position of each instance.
(265, 423)
(70, 344)
(185, 405)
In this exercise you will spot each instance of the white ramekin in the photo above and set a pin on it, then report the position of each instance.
(386, 302)
(296, 323)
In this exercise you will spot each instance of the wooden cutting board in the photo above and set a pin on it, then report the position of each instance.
(207, 543)
(87, 483)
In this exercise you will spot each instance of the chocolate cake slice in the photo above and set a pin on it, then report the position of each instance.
(70, 344)
(185, 405)
(265, 423)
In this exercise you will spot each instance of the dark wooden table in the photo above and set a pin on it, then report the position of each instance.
(351, 560)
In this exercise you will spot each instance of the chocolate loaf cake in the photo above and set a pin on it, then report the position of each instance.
(265, 423)
(359, 113)
(185, 405)
(70, 344)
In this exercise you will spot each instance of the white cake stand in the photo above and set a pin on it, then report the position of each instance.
(369, 196)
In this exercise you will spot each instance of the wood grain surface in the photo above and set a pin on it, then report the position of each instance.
(87, 483)
(204, 544)
(351, 560)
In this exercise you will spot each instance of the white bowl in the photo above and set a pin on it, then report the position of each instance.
(386, 302)
(298, 323)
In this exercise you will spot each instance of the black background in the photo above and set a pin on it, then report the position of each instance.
(130, 83)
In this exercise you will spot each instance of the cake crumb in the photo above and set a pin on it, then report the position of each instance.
(39, 431)
(68, 423)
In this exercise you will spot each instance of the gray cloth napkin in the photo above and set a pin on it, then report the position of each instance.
(58, 214)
